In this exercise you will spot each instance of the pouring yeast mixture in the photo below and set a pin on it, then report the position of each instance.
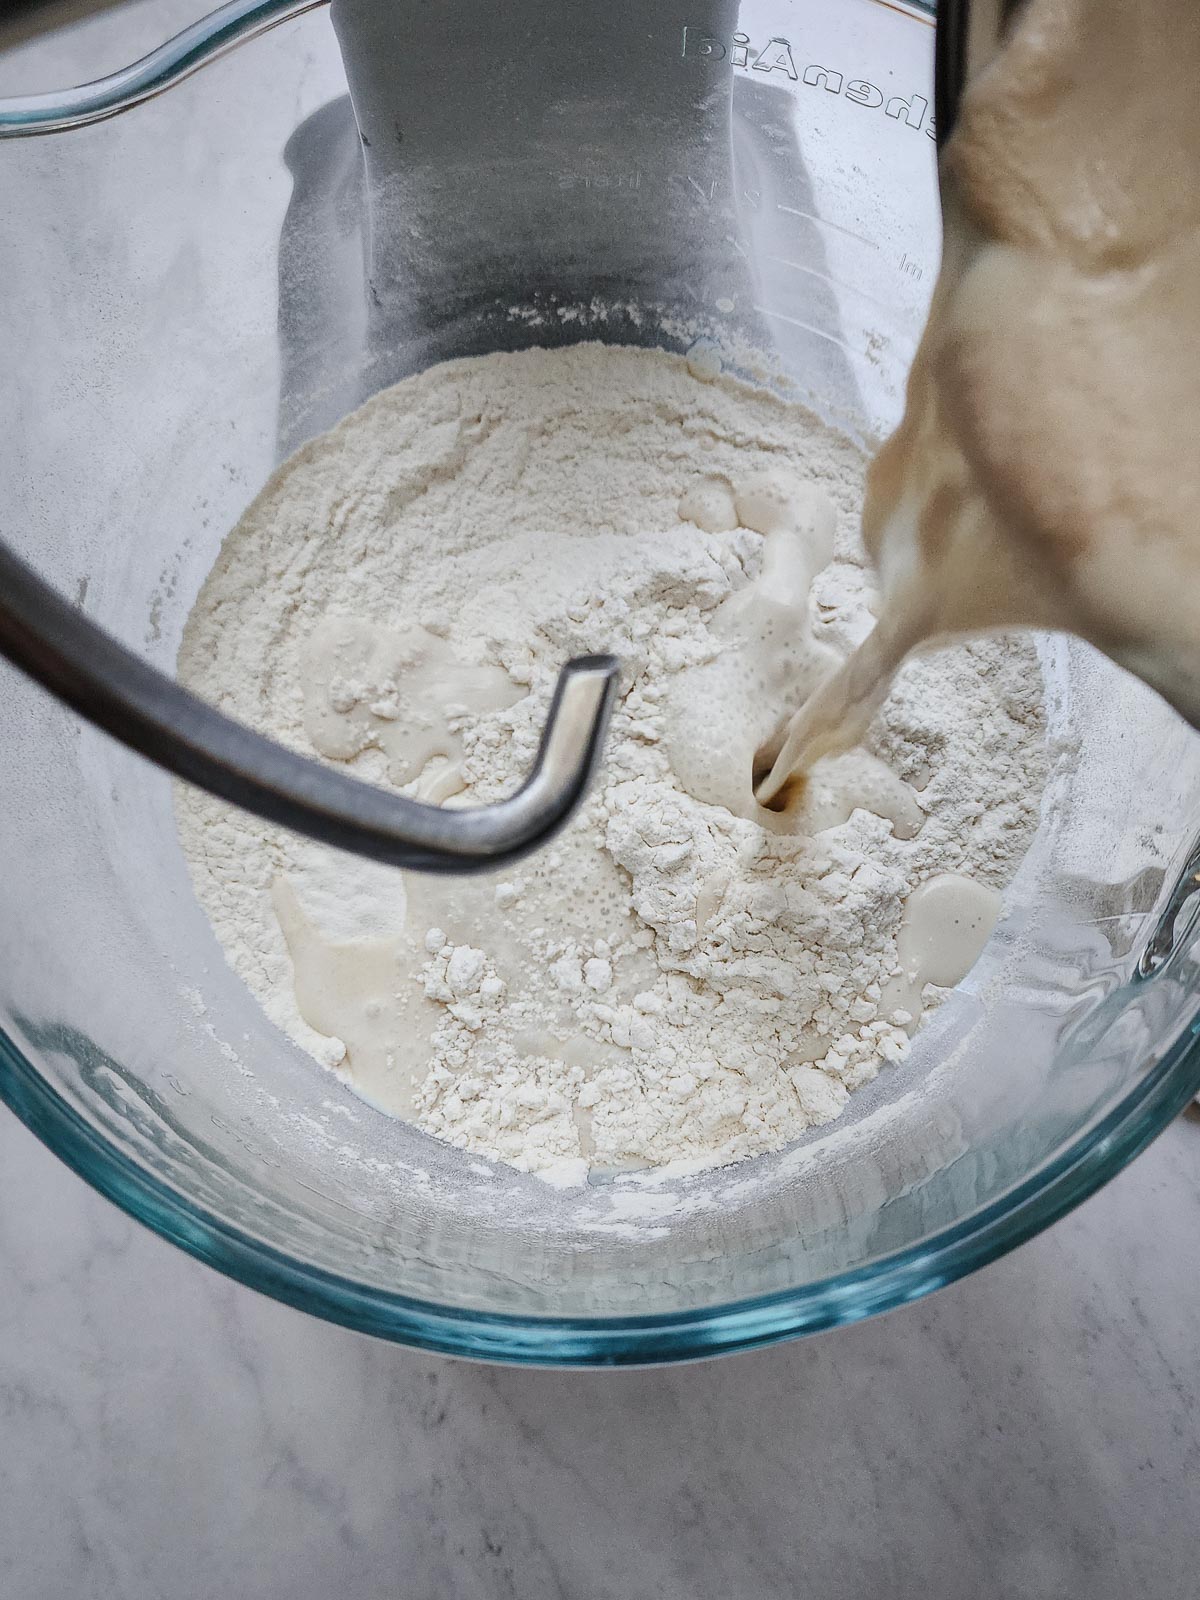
(1046, 473)
(703, 968)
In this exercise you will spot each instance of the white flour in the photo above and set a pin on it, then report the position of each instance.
(673, 981)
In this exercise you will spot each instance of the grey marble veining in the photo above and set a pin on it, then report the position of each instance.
(1029, 1433)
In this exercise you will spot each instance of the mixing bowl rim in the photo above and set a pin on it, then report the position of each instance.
(879, 1285)
(894, 1279)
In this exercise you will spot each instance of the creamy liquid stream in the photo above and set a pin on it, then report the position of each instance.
(1046, 473)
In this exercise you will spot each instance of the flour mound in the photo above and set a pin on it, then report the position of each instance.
(673, 980)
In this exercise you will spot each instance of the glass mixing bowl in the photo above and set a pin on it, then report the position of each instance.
(183, 305)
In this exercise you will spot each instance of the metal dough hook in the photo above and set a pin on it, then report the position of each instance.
(56, 644)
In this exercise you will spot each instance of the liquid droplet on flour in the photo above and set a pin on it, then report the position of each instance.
(363, 993)
(947, 921)
(398, 690)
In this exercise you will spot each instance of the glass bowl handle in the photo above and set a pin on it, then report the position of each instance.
(207, 40)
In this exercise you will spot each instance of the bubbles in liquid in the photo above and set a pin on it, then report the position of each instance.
(826, 795)
(772, 502)
(719, 714)
(708, 503)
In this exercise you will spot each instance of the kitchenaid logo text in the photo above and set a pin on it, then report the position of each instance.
(777, 56)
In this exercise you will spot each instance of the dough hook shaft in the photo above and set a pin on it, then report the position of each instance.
(86, 667)
(56, 644)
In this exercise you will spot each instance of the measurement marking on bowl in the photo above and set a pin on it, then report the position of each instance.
(810, 216)
(795, 322)
(838, 283)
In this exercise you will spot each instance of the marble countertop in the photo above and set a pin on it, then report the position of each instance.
(1029, 1433)
(166, 1435)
